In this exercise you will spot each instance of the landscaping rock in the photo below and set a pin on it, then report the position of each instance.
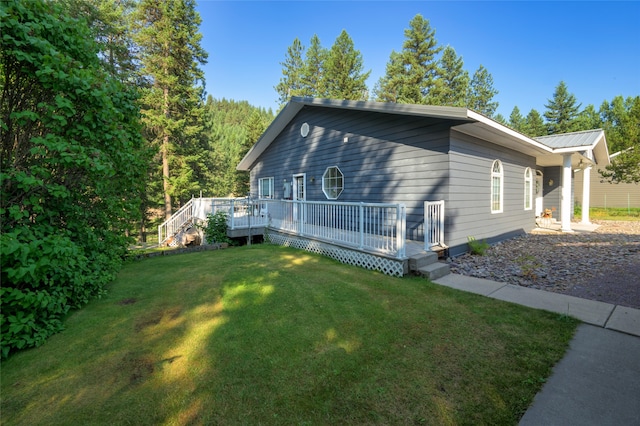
(603, 265)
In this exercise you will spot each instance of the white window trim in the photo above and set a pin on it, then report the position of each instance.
(325, 189)
(271, 188)
(528, 192)
(499, 175)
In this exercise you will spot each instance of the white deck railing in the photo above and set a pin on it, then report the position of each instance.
(241, 212)
(370, 227)
(172, 225)
(433, 224)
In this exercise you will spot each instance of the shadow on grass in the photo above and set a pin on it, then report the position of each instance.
(278, 336)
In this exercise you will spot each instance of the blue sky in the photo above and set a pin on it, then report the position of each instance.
(528, 47)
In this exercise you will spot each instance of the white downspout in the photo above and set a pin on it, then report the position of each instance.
(586, 190)
(565, 216)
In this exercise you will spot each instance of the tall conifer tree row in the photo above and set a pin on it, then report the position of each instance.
(171, 54)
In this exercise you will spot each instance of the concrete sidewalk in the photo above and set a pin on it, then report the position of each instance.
(601, 314)
(598, 380)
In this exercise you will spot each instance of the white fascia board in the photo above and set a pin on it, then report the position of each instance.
(504, 129)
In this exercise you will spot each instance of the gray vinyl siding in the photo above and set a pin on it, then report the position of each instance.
(403, 159)
(468, 211)
(387, 158)
(604, 194)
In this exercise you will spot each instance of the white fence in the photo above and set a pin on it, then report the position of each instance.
(433, 224)
(379, 228)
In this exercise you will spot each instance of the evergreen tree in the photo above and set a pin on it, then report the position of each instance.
(343, 71)
(172, 104)
(588, 119)
(516, 120)
(231, 129)
(500, 119)
(451, 84)
(534, 124)
(621, 122)
(561, 111)
(313, 82)
(390, 87)
(410, 74)
(481, 93)
(291, 82)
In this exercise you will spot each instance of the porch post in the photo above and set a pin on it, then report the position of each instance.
(565, 216)
(586, 190)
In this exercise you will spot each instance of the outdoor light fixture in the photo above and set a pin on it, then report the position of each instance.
(550, 182)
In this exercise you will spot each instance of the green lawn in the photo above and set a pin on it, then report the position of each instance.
(600, 213)
(271, 335)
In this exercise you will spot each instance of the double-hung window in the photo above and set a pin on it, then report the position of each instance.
(497, 187)
(265, 187)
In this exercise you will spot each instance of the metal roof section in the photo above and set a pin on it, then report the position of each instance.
(590, 144)
(545, 149)
(588, 138)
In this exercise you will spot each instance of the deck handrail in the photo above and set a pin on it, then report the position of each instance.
(376, 227)
(172, 225)
(433, 224)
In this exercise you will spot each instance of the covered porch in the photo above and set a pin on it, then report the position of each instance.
(571, 153)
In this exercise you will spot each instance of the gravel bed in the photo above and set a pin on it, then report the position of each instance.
(602, 265)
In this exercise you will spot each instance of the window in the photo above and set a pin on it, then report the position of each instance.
(496, 187)
(332, 183)
(265, 187)
(528, 188)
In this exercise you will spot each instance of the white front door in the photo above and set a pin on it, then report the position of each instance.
(538, 193)
(299, 194)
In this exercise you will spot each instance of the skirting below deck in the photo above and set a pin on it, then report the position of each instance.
(386, 265)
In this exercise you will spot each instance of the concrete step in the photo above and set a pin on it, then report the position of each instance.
(434, 270)
(420, 260)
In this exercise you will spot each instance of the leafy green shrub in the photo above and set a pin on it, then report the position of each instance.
(477, 247)
(71, 166)
(215, 231)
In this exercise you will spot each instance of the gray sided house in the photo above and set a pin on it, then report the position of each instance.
(494, 181)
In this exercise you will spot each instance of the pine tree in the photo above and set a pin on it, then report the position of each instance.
(313, 83)
(172, 104)
(588, 119)
(291, 82)
(516, 120)
(390, 87)
(410, 74)
(452, 81)
(621, 122)
(561, 111)
(481, 93)
(344, 77)
(534, 124)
